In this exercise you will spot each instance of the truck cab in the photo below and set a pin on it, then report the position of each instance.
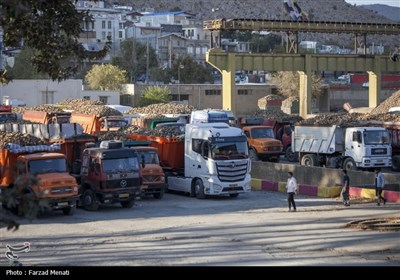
(261, 140)
(54, 185)
(152, 174)
(109, 174)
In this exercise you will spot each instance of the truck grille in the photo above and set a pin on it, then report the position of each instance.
(379, 151)
(275, 149)
(123, 183)
(151, 178)
(231, 171)
(62, 190)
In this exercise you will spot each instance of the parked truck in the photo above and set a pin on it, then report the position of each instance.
(342, 147)
(261, 140)
(6, 114)
(46, 118)
(55, 185)
(283, 132)
(152, 174)
(93, 124)
(213, 160)
(109, 174)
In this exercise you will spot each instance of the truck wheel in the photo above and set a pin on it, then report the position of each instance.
(199, 189)
(89, 200)
(309, 160)
(349, 164)
(290, 155)
(69, 211)
(253, 155)
(396, 163)
(234, 195)
(158, 195)
(128, 203)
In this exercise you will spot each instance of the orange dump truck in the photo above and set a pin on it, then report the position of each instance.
(170, 150)
(55, 185)
(93, 124)
(46, 118)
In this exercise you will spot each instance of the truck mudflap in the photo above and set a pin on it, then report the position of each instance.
(61, 203)
(119, 196)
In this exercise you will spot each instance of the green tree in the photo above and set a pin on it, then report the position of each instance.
(133, 58)
(154, 95)
(190, 71)
(105, 77)
(23, 69)
(288, 83)
(51, 28)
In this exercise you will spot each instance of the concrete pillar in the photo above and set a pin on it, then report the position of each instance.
(228, 84)
(305, 88)
(374, 84)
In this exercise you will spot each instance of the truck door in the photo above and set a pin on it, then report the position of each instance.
(354, 145)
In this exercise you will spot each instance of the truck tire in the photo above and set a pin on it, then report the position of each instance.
(158, 195)
(396, 163)
(89, 200)
(69, 211)
(309, 160)
(234, 195)
(349, 164)
(253, 155)
(199, 189)
(128, 203)
(290, 155)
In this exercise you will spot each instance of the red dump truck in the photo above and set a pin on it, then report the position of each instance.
(55, 186)
(93, 124)
(46, 118)
(394, 130)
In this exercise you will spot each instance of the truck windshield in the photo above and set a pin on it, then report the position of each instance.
(120, 165)
(116, 123)
(4, 117)
(375, 137)
(229, 150)
(150, 157)
(262, 133)
(53, 165)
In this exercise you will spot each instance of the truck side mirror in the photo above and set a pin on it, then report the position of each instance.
(96, 168)
(359, 138)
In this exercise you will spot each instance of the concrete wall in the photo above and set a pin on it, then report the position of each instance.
(33, 92)
(196, 95)
(356, 97)
(319, 176)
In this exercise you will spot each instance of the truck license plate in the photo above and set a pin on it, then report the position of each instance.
(380, 160)
(124, 195)
(233, 185)
(145, 187)
(62, 204)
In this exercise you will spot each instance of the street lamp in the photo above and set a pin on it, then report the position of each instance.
(181, 66)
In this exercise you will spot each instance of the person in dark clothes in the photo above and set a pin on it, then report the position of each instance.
(346, 188)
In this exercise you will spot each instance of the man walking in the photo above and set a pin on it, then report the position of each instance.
(379, 184)
(346, 188)
(291, 187)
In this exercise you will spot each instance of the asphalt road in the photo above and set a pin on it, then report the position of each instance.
(254, 229)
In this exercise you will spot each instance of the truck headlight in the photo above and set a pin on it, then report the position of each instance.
(75, 189)
(45, 192)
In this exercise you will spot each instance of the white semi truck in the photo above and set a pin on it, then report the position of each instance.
(216, 162)
(342, 147)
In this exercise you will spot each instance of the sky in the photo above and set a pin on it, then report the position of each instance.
(395, 3)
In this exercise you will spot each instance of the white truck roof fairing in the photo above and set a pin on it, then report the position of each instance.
(207, 130)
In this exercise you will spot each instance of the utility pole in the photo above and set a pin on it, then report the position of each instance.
(147, 61)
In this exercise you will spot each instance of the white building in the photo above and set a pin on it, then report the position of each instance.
(37, 92)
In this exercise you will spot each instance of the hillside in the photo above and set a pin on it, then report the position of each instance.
(332, 10)
(392, 13)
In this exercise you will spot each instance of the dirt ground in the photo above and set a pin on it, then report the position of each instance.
(254, 229)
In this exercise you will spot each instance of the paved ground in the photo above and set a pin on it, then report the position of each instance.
(254, 229)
